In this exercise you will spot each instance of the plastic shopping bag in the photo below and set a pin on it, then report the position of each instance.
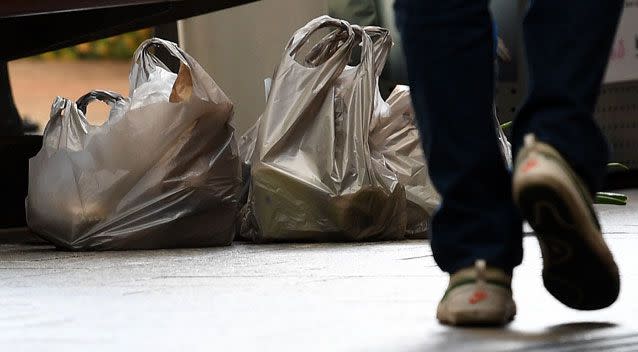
(396, 137)
(163, 171)
(313, 177)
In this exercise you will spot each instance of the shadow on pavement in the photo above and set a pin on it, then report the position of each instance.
(576, 336)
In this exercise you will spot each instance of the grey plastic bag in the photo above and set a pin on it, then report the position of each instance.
(163, 171)
(313, 178)
(396, 137)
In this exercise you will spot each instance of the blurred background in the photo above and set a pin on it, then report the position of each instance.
(240, 47)
(72, 72)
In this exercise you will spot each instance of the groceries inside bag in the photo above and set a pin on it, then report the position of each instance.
(163, 171)
(313, 176)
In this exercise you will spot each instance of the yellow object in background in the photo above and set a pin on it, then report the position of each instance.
(120, 47)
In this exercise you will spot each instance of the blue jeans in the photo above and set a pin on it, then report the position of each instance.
(449, 49)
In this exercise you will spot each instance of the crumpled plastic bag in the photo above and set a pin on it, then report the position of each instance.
(163, 171)
(396, 137)
(313, 176)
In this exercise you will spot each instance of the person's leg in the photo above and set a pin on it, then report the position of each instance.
(561, 152)
(568, 44)
(450, 55)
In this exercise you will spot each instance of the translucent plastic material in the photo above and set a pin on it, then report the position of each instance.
(396, 137)
(313, 176)
(163, 171)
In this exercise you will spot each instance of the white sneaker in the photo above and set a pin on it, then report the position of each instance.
(578, 268)
(477, 296)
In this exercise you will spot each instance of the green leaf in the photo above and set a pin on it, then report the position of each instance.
(617, 167)
(506, 125)
(610, 198)
(613, 195)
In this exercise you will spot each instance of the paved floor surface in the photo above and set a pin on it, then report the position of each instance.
(296, 297)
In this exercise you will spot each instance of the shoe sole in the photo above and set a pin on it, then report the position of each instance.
(578, 267)
(478, 318)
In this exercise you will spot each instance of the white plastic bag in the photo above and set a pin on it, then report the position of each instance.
(163, 171)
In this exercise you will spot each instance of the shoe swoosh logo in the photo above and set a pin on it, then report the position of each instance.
(477, 297)
(529, 164)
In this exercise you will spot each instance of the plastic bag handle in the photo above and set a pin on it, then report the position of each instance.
(303, 34)
(382, 44)
(144, 58)
(367, 45)
(171, 47)
(101, 95)
(144, 63)
(326, 47)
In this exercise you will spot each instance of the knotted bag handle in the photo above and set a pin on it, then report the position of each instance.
(105, 96)
(341, 39)
(381, 46)
(144, 63)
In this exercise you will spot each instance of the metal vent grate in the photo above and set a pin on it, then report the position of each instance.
(508, 96)
(617, 115)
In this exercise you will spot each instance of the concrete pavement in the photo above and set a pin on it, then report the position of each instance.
(288, 297)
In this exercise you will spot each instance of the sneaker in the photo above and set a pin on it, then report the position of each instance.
(578, 267)
(477, 296)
